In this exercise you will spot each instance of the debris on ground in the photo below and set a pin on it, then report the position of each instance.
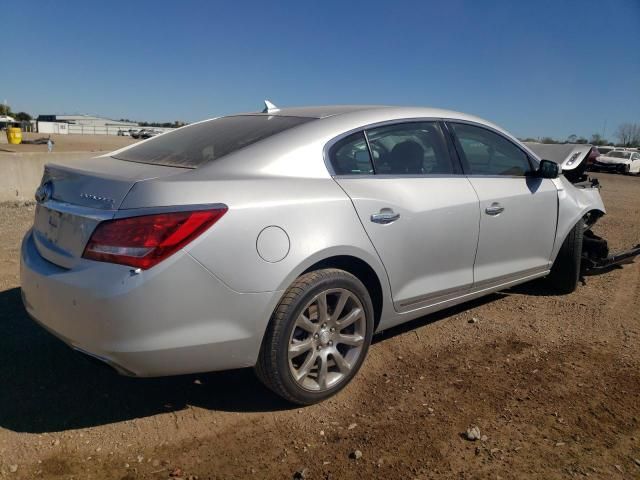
(301, 474)
(473, 433)
(355, 455)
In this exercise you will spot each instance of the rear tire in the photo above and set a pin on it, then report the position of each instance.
(565, 272)
(317, 337)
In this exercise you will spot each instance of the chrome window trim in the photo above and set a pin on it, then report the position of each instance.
(532, 159)
(389, 176)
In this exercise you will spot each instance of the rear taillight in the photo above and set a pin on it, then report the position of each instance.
(144, 241)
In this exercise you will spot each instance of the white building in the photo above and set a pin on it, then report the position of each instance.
(81, 124)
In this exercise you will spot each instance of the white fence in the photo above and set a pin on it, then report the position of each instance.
(108, 129)
(97, 129)
(84, 129)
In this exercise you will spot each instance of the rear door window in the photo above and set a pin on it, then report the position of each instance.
(413, 148)
(195, 145)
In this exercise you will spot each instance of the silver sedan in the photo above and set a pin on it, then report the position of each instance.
(282, 240)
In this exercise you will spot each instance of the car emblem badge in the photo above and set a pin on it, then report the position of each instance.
(44, 192)
(97, 198)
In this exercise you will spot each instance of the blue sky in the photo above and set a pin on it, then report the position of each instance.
(536, 68)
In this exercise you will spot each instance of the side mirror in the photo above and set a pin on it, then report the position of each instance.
(548, 169)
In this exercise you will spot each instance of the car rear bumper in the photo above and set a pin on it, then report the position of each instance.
(172, 319)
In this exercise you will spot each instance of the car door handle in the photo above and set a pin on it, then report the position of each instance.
(494, 209)
(386, 215)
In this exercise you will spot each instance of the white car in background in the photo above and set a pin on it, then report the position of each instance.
(621, 161)
(603, 150)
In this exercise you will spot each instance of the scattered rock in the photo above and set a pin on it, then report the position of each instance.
(155, 463)
(355, 455)
(484, 438)
(301, 474)
(559, 444)
(13, 468)
(322, 433)
(619, 468)
(56, 442)
(352, 426)
(473, 320)
(176, 472)
(473, 433)
(140, 458)
(430, 410)
(637, 461)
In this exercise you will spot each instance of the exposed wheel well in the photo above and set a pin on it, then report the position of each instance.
(592, 216)
(361, 270)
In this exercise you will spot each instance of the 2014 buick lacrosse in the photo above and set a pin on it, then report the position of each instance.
(282, 240)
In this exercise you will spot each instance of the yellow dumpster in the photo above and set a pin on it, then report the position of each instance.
(14, 135)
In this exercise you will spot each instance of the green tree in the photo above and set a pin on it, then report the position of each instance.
(628, 134)
(5, 110)
(596, 139)
(23, 117)
(572, 138)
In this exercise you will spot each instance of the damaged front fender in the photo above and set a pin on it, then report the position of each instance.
(574, 203)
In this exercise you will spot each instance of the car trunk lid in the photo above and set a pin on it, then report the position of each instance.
(72, 200)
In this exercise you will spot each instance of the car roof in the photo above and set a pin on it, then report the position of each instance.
(326, 111)
(320, 111)
(335, 119)
(363, 114)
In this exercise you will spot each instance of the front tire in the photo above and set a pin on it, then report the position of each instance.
(317, 338)
(565, 272)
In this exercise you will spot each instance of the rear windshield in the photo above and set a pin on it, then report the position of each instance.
(195, 145)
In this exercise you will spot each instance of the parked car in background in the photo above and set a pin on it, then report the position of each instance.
(604, 150)
(134, 133)
(621, 161)
(284, 239)
(148, 133)
(124, 133)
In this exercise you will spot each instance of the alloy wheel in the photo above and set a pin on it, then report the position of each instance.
(327, 339)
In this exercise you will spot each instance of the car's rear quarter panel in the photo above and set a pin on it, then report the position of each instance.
(316, 214)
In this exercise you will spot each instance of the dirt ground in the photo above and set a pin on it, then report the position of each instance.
(552, 381)
(70, 143)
